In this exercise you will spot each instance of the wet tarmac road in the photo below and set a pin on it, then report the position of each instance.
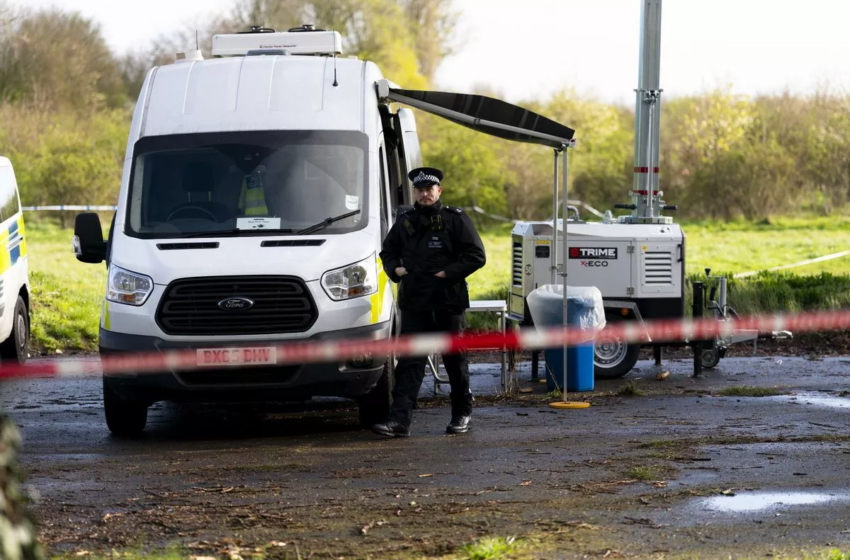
(676, 471)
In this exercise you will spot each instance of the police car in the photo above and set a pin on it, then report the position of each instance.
(14, 277)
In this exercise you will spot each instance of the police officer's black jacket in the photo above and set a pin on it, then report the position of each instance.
(426, 240)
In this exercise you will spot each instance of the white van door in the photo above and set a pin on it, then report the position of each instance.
(13, 251)
(409, 150)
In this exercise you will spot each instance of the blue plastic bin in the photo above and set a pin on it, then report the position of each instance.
(581, 313)
(579, 368)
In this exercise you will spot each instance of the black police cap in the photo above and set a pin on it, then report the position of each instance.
(424, 176)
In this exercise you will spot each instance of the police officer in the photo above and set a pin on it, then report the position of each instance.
(430, 251)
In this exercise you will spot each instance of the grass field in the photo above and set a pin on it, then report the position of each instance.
(67, 294)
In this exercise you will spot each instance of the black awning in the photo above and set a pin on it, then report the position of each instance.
(488, 115)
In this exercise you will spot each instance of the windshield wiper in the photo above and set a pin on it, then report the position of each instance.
(325, 223)
(236, 231)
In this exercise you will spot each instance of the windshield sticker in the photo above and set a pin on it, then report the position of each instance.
(257, 223)
(352, 202)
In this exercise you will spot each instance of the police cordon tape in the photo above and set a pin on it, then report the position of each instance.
(681, 330)
(67, 207)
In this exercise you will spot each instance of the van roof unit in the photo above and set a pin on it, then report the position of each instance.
(327, 43)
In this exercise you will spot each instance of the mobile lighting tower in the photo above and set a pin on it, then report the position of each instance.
(638, 260)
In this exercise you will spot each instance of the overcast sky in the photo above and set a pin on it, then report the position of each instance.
(529, 48)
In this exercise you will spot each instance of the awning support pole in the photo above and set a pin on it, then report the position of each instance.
(554, 252)
(566, 256)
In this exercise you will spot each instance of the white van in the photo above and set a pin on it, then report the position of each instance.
(14, 276)
(256, 191)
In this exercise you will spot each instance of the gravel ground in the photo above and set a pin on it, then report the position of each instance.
(669, 468)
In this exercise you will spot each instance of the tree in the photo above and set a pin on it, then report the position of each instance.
(376, 30)
(603, 152)
(64, 157)
(433, 24)
(59, 59)
(474, 163)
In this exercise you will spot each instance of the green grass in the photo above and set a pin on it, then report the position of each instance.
(788, 292)
(490, 547)
(491, 282)
(744, 246)
(67, 294)
(630, 391)
(643, 473)
(172, 553)
(749, 392)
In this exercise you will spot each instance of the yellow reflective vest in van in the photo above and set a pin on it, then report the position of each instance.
(252, 199)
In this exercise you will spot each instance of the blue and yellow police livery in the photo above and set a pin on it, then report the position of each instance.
(14, 276)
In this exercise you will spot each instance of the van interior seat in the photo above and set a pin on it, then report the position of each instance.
(301, 199)
(199, 185)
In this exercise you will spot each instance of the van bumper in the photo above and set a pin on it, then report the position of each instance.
(257, 383)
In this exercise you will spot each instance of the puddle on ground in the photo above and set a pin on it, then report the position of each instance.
(821, 399)
(764, 501)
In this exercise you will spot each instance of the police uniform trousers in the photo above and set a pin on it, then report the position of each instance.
(410, 371)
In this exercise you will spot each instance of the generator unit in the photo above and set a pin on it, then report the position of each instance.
(639, 268)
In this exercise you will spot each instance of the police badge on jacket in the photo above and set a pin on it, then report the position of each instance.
(430, 251)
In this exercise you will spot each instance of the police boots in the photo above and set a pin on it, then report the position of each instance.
(460, 424)
(461, 414)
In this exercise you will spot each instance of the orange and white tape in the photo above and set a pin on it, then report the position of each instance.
(418, 345)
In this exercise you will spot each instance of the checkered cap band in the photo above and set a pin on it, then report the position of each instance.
(423, 178)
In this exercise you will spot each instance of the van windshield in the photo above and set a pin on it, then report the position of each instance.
(238, 183)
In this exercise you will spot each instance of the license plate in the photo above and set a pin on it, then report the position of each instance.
(237, 356)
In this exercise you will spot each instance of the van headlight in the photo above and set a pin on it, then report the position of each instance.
(124, 286)
(355, 280)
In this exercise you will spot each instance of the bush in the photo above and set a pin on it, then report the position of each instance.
(64, 158)
(17, 533)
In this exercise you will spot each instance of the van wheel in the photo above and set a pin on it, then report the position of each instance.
(613, 358)
(124, 417)
(374, 406)
(15, 347)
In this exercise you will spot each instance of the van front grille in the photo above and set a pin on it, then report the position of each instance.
(658, 268)
(281, 304)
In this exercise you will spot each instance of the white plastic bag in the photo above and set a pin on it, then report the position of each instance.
(584, 307)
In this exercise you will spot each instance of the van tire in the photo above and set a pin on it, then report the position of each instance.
(613, 358)
(124, 417)
(14, 348)
(374, 406)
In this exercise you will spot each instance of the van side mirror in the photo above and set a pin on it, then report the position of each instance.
(89, 245)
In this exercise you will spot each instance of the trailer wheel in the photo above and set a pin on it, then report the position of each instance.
(710, 358)
(613, 358)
